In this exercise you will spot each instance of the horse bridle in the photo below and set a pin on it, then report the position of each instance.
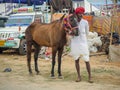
(67, 25)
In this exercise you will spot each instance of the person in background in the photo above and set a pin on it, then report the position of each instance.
(48, 53)
(79, 45)
(115, 39)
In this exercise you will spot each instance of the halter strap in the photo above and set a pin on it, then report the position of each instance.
(67, 24)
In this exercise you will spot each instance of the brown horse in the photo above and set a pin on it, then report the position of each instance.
(50, 35)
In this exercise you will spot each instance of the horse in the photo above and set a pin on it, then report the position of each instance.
(52, 35)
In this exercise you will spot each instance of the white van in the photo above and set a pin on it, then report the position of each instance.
(13, 34)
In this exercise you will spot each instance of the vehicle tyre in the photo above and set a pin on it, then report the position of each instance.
(22, 48)
(1, 51)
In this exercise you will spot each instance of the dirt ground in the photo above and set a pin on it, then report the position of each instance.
(105, 74)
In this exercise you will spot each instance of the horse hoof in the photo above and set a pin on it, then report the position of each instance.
(38, 73)
(53, 77)
(60, 77)
(30, 73)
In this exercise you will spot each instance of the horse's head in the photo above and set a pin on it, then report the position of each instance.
(71, 25)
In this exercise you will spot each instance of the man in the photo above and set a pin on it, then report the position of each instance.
(115, 39)
(79, 45)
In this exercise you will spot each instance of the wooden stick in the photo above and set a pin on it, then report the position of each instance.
(99, 53)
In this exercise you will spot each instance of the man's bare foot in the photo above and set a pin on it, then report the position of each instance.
(78, 80)
(90, 81)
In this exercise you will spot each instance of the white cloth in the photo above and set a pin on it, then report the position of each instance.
(79, 45)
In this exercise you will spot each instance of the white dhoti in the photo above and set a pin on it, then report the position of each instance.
(79, 45)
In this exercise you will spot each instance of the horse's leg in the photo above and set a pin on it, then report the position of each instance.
(54, 50)
(29, 46)
(37, 49)
(60, 50)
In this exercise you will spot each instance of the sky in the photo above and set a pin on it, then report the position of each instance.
(101, 2)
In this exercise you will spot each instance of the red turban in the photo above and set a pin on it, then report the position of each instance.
(80, 10)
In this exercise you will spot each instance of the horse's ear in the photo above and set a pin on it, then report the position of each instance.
(62, 17)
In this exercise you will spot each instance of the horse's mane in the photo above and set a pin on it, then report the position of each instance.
(55, 21)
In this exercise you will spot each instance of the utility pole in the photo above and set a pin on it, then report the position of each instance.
(106, 7)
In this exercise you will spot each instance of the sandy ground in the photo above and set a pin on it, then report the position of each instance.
(105, 74)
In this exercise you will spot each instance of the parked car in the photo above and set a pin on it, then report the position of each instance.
(13, 34)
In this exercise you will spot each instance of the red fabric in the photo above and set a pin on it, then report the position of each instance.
(80, 10)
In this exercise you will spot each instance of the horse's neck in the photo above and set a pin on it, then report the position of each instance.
(58, 24)
(59, 28)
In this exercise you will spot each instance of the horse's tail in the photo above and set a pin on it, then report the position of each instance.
(28, 34)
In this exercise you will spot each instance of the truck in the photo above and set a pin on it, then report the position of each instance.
(12, 36)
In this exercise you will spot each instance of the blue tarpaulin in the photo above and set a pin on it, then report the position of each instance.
(37, 2)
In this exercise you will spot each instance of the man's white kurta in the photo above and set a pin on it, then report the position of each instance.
(79, 45)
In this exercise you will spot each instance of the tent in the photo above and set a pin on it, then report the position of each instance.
(29, 2)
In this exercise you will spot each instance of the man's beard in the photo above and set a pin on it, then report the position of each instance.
(79, 18)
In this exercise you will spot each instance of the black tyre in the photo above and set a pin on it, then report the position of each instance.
(1, 51)
(22, 48)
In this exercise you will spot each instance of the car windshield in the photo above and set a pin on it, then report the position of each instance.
(19, 20)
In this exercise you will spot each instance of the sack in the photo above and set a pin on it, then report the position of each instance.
(114, 53)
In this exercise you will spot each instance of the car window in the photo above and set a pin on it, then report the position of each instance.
(19, 20)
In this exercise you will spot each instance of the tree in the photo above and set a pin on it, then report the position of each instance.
(29, 2)
(115, 1)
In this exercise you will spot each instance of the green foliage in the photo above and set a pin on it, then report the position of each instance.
(68, 49)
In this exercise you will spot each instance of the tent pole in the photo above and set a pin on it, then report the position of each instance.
(19, 3)
(111, 27)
